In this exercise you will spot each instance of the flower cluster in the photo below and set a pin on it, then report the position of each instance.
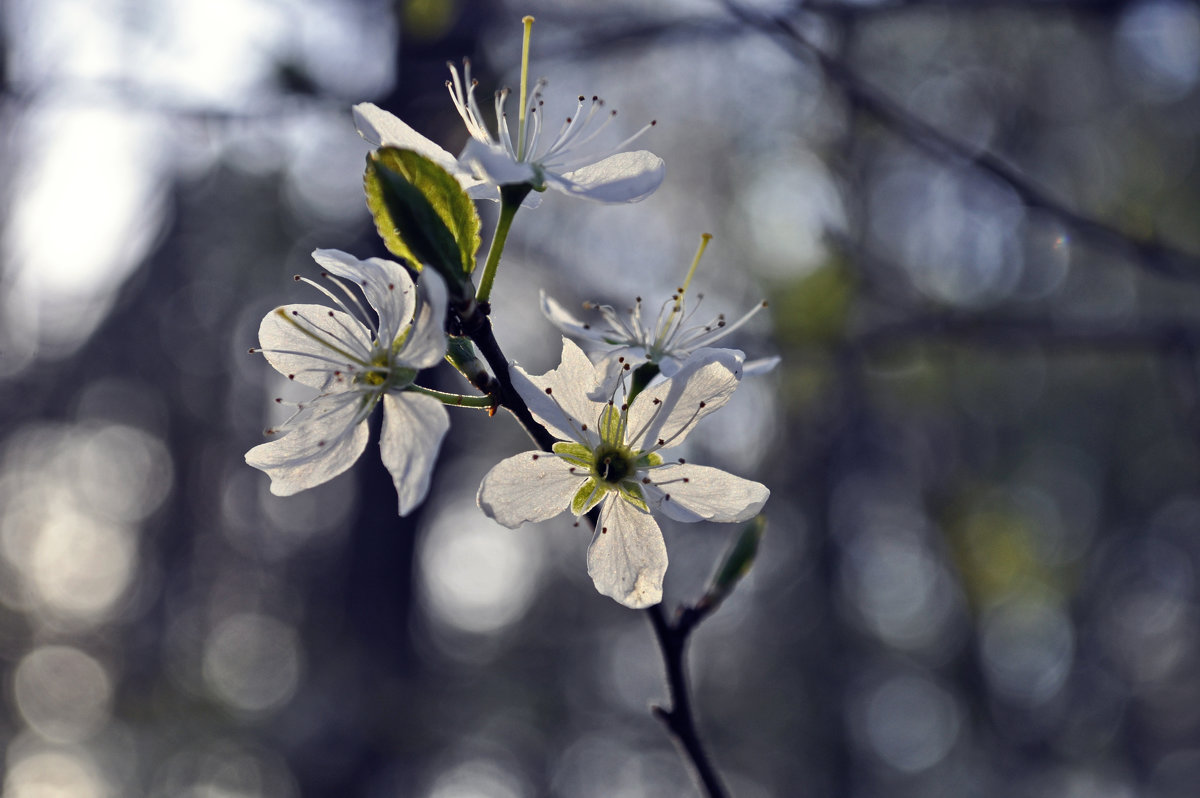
(608, 429)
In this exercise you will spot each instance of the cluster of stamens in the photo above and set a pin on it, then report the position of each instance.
(613, 462)
(563, 153)
(372, 370)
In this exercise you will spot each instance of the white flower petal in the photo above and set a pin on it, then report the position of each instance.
(627, 558)
(309, 343)
(611, 369)
(708, 494)
(760, 366)
(383, 129)
(413, 428)
(385, 283)
(493, 162)
(426, 344)
(320, 444)
(531, 486)
(702, 385)
(624, 177)
(566, 411)
(561, 318)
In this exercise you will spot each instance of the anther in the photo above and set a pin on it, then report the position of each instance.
(535, 457)
(661, 442)
(666, 497)
(603, 530)
(296, 277)
(291, 376)
(583, 427)
(253, 350)
(703, 404)
(548, 390)
(278, 400)
(322, 443)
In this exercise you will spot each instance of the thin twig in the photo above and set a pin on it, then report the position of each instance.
(678, 718)
(478, 327)
(1151, 254)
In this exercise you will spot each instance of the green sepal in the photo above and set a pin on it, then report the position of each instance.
(460, 352)
(575, 453)
(422, 213)
(588, 496)
(737, 561)
(632, 493)
(400, 340)
(649, 460)
(611, 431)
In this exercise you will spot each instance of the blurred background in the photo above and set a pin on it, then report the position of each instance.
(981, 575)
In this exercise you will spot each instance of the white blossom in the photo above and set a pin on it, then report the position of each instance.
(610, 454)
(569, 162)
(356, 359)
(628, 340)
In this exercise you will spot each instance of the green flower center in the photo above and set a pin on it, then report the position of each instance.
(384, 375)
(612, 464)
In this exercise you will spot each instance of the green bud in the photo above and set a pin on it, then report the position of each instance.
(737, 562)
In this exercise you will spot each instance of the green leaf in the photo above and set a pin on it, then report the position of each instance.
(576, 453)
(421, 212)
(737, 561)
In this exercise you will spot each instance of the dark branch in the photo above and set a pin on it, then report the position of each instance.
(476, 325)
(678, 718)
(1153, 255)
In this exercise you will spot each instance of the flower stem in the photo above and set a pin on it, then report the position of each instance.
(511, 198)
(456, 399)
